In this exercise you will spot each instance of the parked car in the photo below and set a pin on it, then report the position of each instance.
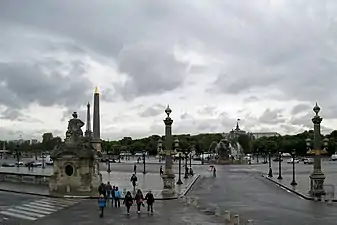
(334, 157)
(33, 164)
(295, 161)
(277, 159)
(308, 161)
(8, 165)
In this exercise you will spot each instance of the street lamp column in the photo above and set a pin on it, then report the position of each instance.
(186, 168)
(270, 173)
(17, 155)
(279, 166)
(317, 177)
(109, 166)
(43, 161)
(179, 182)
(144, 171)
(293, 182)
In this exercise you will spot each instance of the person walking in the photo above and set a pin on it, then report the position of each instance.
(161, 171)
(102, 189)
(133, 180)
(128, 201)
(118, 196)
(108, 191)
(149, 201)
(101, 204)
(135, 168)
(214, 172)
(113, 195)
(139, 200)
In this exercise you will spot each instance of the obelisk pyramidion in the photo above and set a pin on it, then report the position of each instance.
(96, 123)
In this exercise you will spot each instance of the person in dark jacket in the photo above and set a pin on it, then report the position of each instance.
(128, 201)
(101, 205)
(102, 189)
(108, 188)
(149, 201)
(113, 195)
(133, 180)
(139, 200)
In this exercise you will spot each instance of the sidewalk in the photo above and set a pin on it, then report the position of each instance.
(303, 185)
(145, 182)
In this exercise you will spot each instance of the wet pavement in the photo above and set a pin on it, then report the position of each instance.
(145, 182)
(254, 197)
(165, 213)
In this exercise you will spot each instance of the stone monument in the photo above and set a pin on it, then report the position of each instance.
(168, 176)
(75, 163)
(96, 139)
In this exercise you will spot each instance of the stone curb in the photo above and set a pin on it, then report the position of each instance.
(289, 189)
(188, 188)
(94, 197)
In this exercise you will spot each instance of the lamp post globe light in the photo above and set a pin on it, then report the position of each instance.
(279, 166)
(270, 172)
(317, 177)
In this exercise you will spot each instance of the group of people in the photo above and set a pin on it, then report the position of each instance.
(109, 193)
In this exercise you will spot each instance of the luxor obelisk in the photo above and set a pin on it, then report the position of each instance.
(96, 139)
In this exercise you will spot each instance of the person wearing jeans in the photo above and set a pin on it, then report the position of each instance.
(149, 201)
(139, 199)
(118, 196)
(128, 201)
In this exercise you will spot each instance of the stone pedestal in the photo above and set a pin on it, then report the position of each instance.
(76, 170)
(317, 184)
(74, 175)
(169, 184)
(97, 144)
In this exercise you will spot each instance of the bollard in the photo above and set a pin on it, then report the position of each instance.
(227, 216)
(250, 222)
(236, 220)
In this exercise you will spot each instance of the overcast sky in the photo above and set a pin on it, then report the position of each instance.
(264, 61)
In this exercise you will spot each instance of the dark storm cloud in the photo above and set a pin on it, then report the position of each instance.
(152, 69)
(24, 83)
(153, 111)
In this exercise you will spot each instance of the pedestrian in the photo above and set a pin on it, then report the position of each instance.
(161, 170)
(133, 180)
(214, 172)
(118, 196)
(113, 195)
(108, 191)
(102, 189)
(149, 201)
(101, 205)
(139, 200)
(135, 168)
(128, 201)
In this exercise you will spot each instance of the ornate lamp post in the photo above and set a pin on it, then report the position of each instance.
(186, 168)
(317, 177)
(17, 151)
(43, 160)
(270, 173)
(168, 176)
(144, 153)
(279, 166)
(176, 146)
(293, 155)
(160, 148)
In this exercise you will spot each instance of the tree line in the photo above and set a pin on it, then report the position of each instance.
(203, 143)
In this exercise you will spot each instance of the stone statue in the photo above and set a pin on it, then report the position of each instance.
(74, 131)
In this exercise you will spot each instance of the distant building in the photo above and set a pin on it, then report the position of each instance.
(258, 135)
(33, 142)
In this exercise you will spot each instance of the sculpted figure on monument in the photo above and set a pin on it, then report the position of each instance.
(74, 131)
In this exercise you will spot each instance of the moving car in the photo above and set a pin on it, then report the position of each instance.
(334, 157)
(295, 161)
(308, 161)
(19, 163)
(8, 165)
